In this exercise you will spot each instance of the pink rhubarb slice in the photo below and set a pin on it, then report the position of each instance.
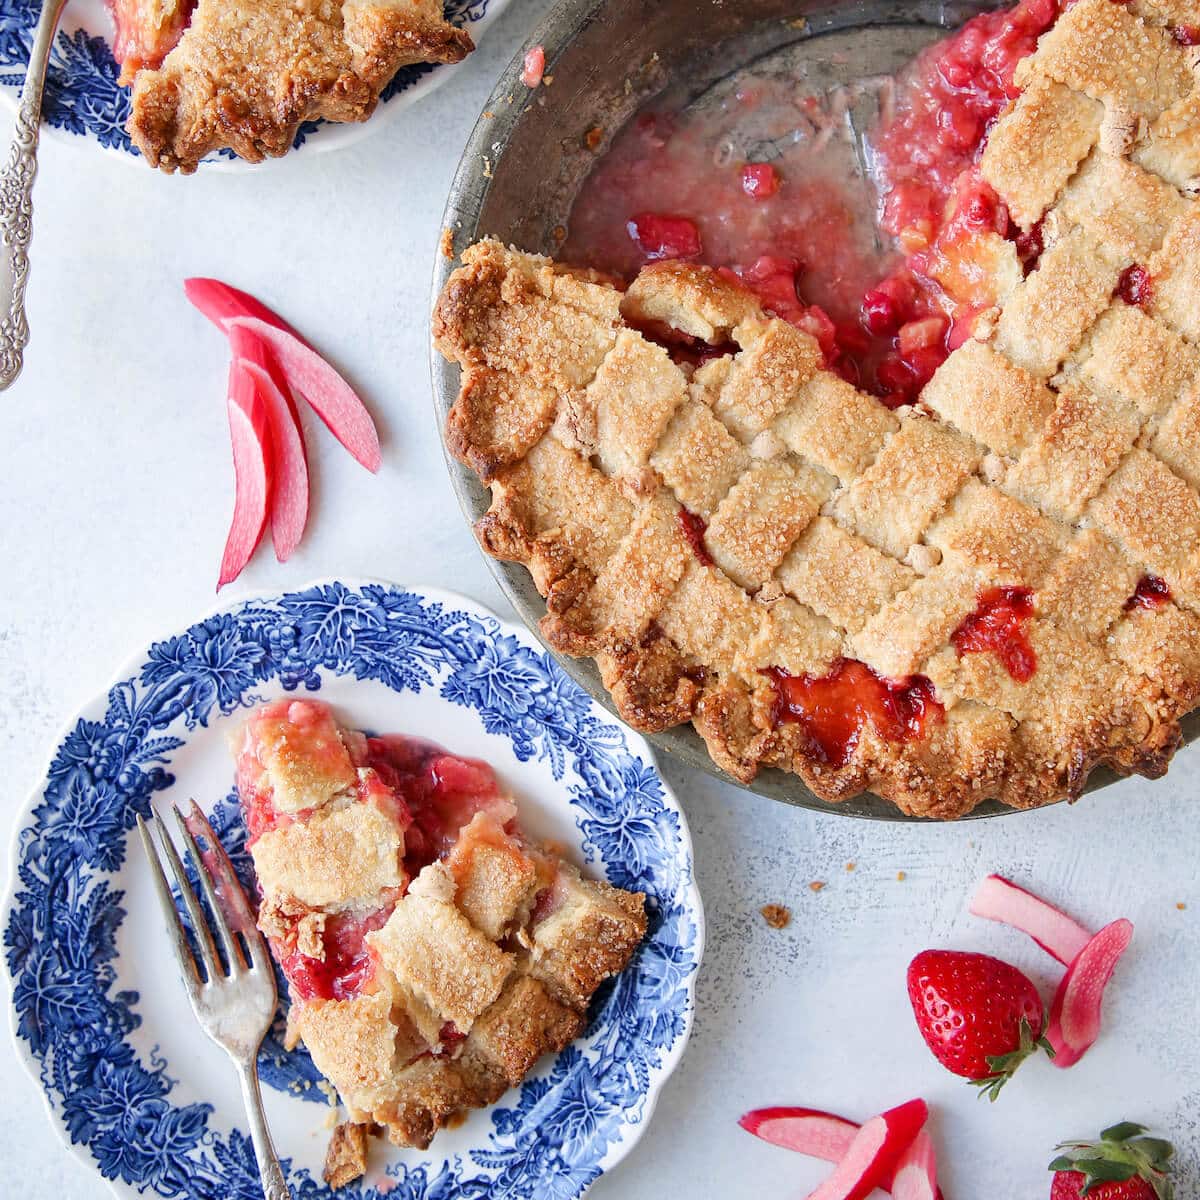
(827, 1136)
(915, 1177)
(251, 459)
(331, 397)
(289, 464)
(998, 899)
(220, 303)
(805, 1130)
(1076, 1012)
(871, 1160)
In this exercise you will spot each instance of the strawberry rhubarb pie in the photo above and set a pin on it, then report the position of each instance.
(433, 952)
(926, 523)
(208, 75)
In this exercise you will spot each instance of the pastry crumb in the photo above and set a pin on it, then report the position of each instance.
(446, 243)
(593, 137)
(816, 885)
(850, 866)
(901, 875)
(559, 233)
(776, 915)
(1181, 906)
(346, 1159)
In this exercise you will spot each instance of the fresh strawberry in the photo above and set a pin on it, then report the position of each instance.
(1122, 1165)
(981, 1017)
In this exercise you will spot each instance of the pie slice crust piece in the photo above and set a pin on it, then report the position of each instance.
(245, 75)
(431, 962)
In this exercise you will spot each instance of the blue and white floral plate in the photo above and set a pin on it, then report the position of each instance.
(83, 97)
(99, 1014)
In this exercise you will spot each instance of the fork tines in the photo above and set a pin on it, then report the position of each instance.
(231, 913)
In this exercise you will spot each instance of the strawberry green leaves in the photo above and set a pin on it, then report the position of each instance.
(1123, 1163)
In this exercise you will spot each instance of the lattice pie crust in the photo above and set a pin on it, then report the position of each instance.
(487, 961)
(1059, 451)
(246, 74)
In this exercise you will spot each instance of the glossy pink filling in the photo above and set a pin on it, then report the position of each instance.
(430, 795)
(796, 235)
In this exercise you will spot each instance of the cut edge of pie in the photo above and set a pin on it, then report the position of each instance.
(982, 596)
(211, 75)
(433, 952)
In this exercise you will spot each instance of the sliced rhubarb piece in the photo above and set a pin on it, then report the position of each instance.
(251, 458)
(916, 1171)
(1075, 1014)
(220, 303)
(805, 1130)
(331, 397)
(998, 899)
(827, 1136)
(289, 483)
(874, 1154)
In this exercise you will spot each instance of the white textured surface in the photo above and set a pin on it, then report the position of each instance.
(114, 496)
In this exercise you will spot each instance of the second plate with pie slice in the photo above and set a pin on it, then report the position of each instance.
(98, 1013)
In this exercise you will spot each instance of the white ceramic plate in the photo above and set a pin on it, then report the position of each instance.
(98, 1012)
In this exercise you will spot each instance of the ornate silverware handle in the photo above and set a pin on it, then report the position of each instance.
(274, 1187)
(16, 198)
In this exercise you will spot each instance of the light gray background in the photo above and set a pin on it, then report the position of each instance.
(115, 490)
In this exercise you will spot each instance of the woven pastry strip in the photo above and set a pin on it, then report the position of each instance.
(479, 965)
(1056, 453)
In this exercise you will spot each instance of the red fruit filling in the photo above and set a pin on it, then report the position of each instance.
(694, 527)
(440, 790)
(998, 625)
(146, 31)
(833, 708)
(533, 67)
(348, 963)
(947, 102)
(429, 794)
(1186, 35)
(661, 235)
(1136, 286)
(760, 180)
(669, 187)
(1151, 592)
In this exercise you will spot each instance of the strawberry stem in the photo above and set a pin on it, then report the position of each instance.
(1004, 1065)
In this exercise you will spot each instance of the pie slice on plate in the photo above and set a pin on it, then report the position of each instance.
(208, 75)
(980, 590)
(433, 952)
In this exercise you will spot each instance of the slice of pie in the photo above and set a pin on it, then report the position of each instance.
(981, 588)
(208, 75)
(433, 952)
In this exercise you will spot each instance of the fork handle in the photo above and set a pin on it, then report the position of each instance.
(16, 198)
(274, 1187)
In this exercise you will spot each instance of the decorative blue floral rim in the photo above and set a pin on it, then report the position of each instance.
(564, 1129)
(82, 94)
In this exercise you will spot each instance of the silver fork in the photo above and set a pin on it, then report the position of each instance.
(234, 1003)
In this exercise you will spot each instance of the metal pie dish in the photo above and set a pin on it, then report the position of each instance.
(527, 158)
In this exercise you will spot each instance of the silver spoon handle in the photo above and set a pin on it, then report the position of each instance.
(16, 198)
